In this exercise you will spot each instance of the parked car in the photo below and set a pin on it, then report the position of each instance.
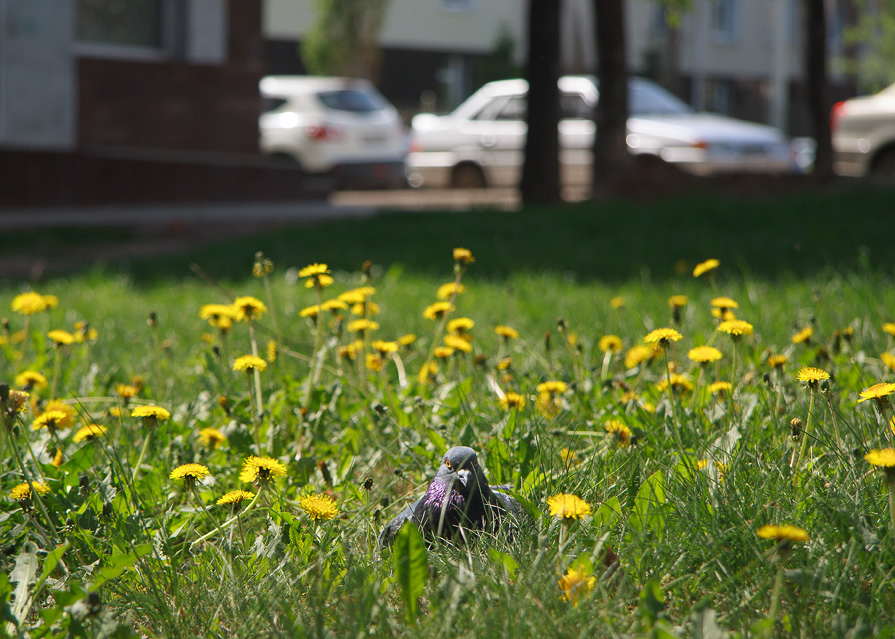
(864, 135)
(481, 143)
(340, 127)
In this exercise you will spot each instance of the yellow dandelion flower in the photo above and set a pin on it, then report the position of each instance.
(460, 325)
(384, 347)
(374, 362)
(704, 354)
(249, 363)
(505, 364)
(21, 492)
(29, 303)
(610, 343)
(678, 301)
(31, 380)
(362, 325)
(309, 311)
(248, 308)
(319, 506)
(443, 352)
(803, 336)
(365, 308)
(235, 497)
(211, 437)
(61, 338)
(427, 372)
(407, 340)
(718, 388)
(506, 332)
(51, 301)
(190, 473)
(811, 375)
(638, 354)
(776, 361)
(317, 274)
(888, 360)
(271, 350)
(552, 387)
(214, 313)
(617, 302)
(151, 412)
(58, 404)
(784, 533)
(889, 327)
(724, 303)
(445, 291)
(706, 267)
(620, 431)
(568, 507)
(261, 469)
(463, 256)
(878, 391)
(332, 306)
(882, 458)
(437, 310)
(457, 343)
(51, 419)
(575, 584)
(512, 400)
(89, 432)
(679, 384)
(126, 391)
(17, 401)
(736, 327)
(662, 336)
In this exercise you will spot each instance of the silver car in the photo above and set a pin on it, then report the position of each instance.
(864, 135)
(481, 143)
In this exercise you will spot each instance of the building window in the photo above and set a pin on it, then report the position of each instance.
(121, 23)
(723, 19)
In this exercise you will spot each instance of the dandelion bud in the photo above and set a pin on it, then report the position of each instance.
(367, 268)
(108, 511)
(153, 319)
(796, 425)
(384, 502)
(324, 470)
(83, 484)
(547, 341)
(368, 484)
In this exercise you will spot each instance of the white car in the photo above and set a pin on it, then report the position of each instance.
(482, 142)
(864, 135)
(341, 127)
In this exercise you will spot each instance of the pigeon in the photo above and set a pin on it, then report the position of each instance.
(458, 499)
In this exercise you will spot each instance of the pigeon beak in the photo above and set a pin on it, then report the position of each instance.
(463, 475)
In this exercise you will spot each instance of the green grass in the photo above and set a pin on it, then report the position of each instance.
(689, 554)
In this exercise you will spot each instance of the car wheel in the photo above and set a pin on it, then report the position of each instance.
(468, 176)
(883, 169)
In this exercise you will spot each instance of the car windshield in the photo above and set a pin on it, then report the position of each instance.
(351, 100)
(649, 99)
(271, 103)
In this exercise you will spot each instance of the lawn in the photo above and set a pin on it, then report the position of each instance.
(746, 487)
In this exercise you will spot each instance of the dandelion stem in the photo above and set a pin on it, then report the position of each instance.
(142, 455)
(890, 483)
(675, 428)
(775, 598)
(444, 318)
(257, 376)
(57, 368)
(798, 467)
(318, 342)
(230, 521)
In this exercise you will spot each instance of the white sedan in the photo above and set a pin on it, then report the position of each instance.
(481, 143)
(864, 135)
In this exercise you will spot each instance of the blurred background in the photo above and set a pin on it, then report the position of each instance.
(134, 101)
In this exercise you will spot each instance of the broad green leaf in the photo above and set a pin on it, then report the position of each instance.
(704, 625)
(652, 602)
(648, 513)
(411, 567)
(117, 564)
(607, 514)
(509, 564)
(23, 575)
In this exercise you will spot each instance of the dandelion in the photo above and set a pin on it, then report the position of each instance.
(190, 474)
(676, 382)
(443, 352)
(463, 257)
(61, 338)
(235, 497)
(576, 583)
(365, 308)
(718, 388)
(609, 343)
(736, 328)
(706, 267)
(785, 536)
(362, 326)
(437, 310)
(617, 302)
(126, 391)
(217, 313)
(52, 420)
(879, 393)
(317, 275)
(460, 325)
(889, 327)
(330, 305)
(384, 348)
(31, 380)
(638, 354)
(248, 308)
(776, 361)
(318, 506)
(21, 492)
(812, 376)
(407, 340)
(618, 430)
(249, 363)
(374, 362)
(724, 304)
(512, 400)
(261, 470)
(29, 303)
(262, 265)
(704, 354)
(457, 343)
(662, 337)
(784, 533)
(449, 290)
(211, 438)
(506, 332)
(357, 295)
(89, 432)
(151, 412)
(678, 301)
(803, 336)
(568, 507)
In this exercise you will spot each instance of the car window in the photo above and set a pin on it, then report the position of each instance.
(573, 106)
(351, 100)
(653, 100)
(492, 109)
(270, 103)
(514, 109)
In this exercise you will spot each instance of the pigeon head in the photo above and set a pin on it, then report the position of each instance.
(460, 467)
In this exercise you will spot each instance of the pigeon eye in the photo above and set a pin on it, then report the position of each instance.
(449, 465)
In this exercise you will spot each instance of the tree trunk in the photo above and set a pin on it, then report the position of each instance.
(540, 181)
(611, 158)
(816, 79)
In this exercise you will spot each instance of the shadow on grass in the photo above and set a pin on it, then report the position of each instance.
(795, 235)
